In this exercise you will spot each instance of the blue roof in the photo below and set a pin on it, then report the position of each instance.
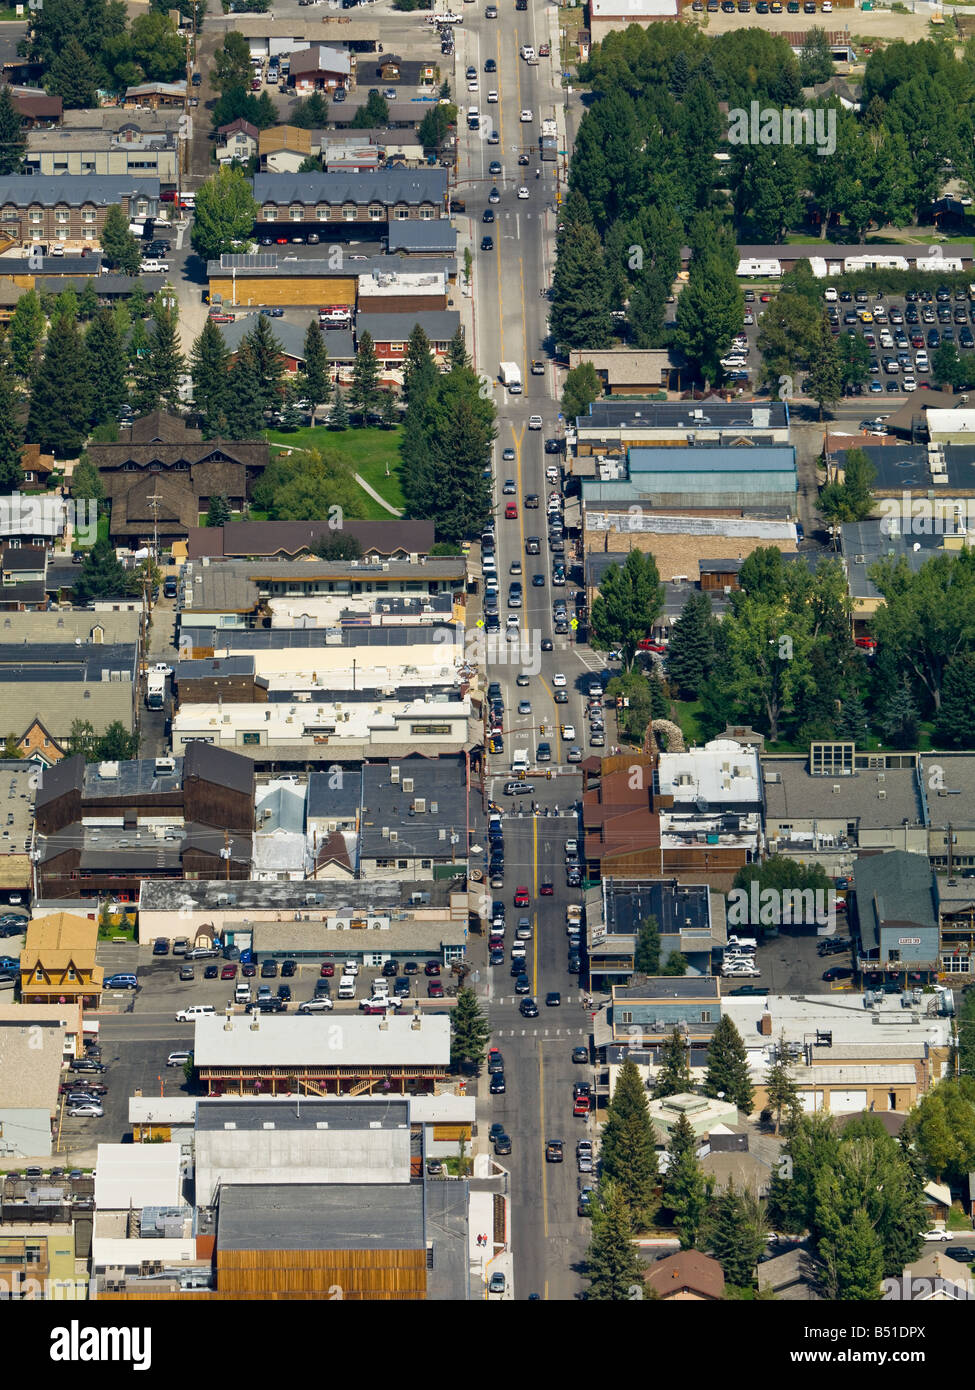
(743, 460)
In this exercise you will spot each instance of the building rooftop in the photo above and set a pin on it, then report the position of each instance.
(74, 190)
(382, 540)
(678, 907)
(660, 989)
(387, 186)
(384, 934)
(711, 458)
(892, 890)
(439, 234)
(722, 773)
(710, 414)
(318, 1216)
(288, 1041)
(377, 283)
(793, 793)
(798, 1018)
(18, 784)
(265, 263)
(31, 1052)
(430, 816)
(137, 777)
(440, 325)
(865, 543)
(205, 895)
(303, 1113)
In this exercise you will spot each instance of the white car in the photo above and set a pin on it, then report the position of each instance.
(89, 1111)
(558, 680)
(178, 1059)
(492, 97)
(527, 115)
(316, 1006)
(523, 193)
(351, 967)
(381, 1001)
(909, 384)
(735, 968)
(472, 87)
(527, 52)
(534, 422)
(936, 1235)
(569, 732)
(831, 296)
(194, 1012)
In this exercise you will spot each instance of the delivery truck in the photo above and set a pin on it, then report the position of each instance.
(155, 690)
(511, 377)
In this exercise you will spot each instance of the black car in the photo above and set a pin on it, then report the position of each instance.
(502, 1144)
(323, 990)
(965, 1253)
(160, 947)
(580, 1054)
(573, 877)
(495, 1062)
(523, 985)
(553, 999)
(210, 973)
(838, 972)
(411, 968)
(496, 957)
(269, 970)
(289, 968)
(284, 992)
(487, 215)
(490, 65)
(487, 243)
(528, 1008)
(497, 1084)
(402, 988)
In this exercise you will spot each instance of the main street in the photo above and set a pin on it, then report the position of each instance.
(510, 324)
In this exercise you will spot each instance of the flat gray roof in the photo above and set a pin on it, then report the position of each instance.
(386, 186)
(659, 989)
(73, 190)
(243, 895)
(304, 1112)
(320, 1216)
(386, 805)
(698, 414)
(796, 794)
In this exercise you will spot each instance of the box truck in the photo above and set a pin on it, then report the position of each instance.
(511, 377)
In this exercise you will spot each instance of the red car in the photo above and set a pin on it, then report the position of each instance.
(511, 512)
(543, 50)
(432, 967)
(375, 1009)
(646, 645)
(435, 989)
(217, 316)
(522, 897)
(281, 241)
(327, 970)
(547, 889)
(765, 298)
(229, 972)
(581, 1106)
(869, 644)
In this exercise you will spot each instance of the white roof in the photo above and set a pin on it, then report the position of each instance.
(950, 421)
(631, 9)
(721, 771)
(162, 1110)
(854, 1076)
(844, 1015)
(107, 1252)
(321, 1041)
(137, 1175)
(369, 721)
(442, 1110)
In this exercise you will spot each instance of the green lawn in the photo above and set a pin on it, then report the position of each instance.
(685, 714)
(366, 451)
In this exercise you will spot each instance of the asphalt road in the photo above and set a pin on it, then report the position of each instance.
(510, 324)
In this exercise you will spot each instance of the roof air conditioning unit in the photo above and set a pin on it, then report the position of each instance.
(881, 796)
(407, 784)
(394, 775)
(394, 835)
(385, 829)
(420, 805)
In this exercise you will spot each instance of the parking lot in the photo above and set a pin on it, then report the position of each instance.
(790, 964)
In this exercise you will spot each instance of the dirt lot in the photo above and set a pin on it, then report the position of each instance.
(853, 22)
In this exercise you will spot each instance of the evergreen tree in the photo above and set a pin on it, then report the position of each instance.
(102, 576)
(268, 364)
(459, 427)
(825, 368)
(680, 74)
(291, 416)
(736, 1235)
(853, 722)
(419, 368)
(781, 1091)
(11, 433)
(310, 114)
(965, 1021)
(690, 655)
(88, 301)
(816, 58)
(65, 307)
(646, 959)
(73, 77)
(338, 545)
(316, 382)
(580, 311)
(853, 1261)
(674, 1074)
(388, 410)
(138, 346)
(106, 366)
(158, 371)
(675, 964)
(266, 114)
(60, 399)
(727, 1072)
(629, 603)
(243, 411)
(457, 354)
(684, 1192)
(210, 369)
(338, 417)
(709, 314)
(469, 1030)
(955, 725)
(116, 744)
(138, 305)
(121, 249)
(364, 389)
(614, 1268)
(900, 723)
(13, 141)
(25, 332)
(628, 1146)
(218, 512)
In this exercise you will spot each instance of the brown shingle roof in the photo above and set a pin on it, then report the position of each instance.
(159, 425)
(240, 539)
(690, 1270)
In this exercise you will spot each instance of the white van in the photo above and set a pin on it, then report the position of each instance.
(347, 987)
(154, 267)
(242, 994)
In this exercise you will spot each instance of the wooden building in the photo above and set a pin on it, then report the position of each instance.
(57, 964)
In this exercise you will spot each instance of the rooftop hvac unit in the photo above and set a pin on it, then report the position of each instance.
(407, 784)
(881, 796)
(394, 835)
(385, 832)
(420, 805)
